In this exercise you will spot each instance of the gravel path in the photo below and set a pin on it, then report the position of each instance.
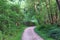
(29, 34)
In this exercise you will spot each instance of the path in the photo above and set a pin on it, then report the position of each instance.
(29, 34)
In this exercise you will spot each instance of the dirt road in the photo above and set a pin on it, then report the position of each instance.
(29, 34)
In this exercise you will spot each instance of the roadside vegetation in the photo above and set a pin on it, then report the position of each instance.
(16, 15)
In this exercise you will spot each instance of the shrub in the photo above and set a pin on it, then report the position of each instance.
(55, 33)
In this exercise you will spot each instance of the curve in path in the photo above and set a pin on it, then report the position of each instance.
(29, 34)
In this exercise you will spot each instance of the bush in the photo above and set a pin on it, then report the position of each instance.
(55, 33)
(10, 17)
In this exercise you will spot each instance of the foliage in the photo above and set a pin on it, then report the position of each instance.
(10, 17)
(55, 34)
(42, 13)
(49, 31)
(43, 34)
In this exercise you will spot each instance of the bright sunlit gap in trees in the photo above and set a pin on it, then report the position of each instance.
(13, 1)
(22, 3)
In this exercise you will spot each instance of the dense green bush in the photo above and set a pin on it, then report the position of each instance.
(55, 33)
(10, 17)
(49, 31)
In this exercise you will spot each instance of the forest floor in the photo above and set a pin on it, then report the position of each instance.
(29, 34)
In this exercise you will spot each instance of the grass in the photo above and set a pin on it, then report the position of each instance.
(16, 35)
(19, 35)
(43, 34)
(0, 35)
